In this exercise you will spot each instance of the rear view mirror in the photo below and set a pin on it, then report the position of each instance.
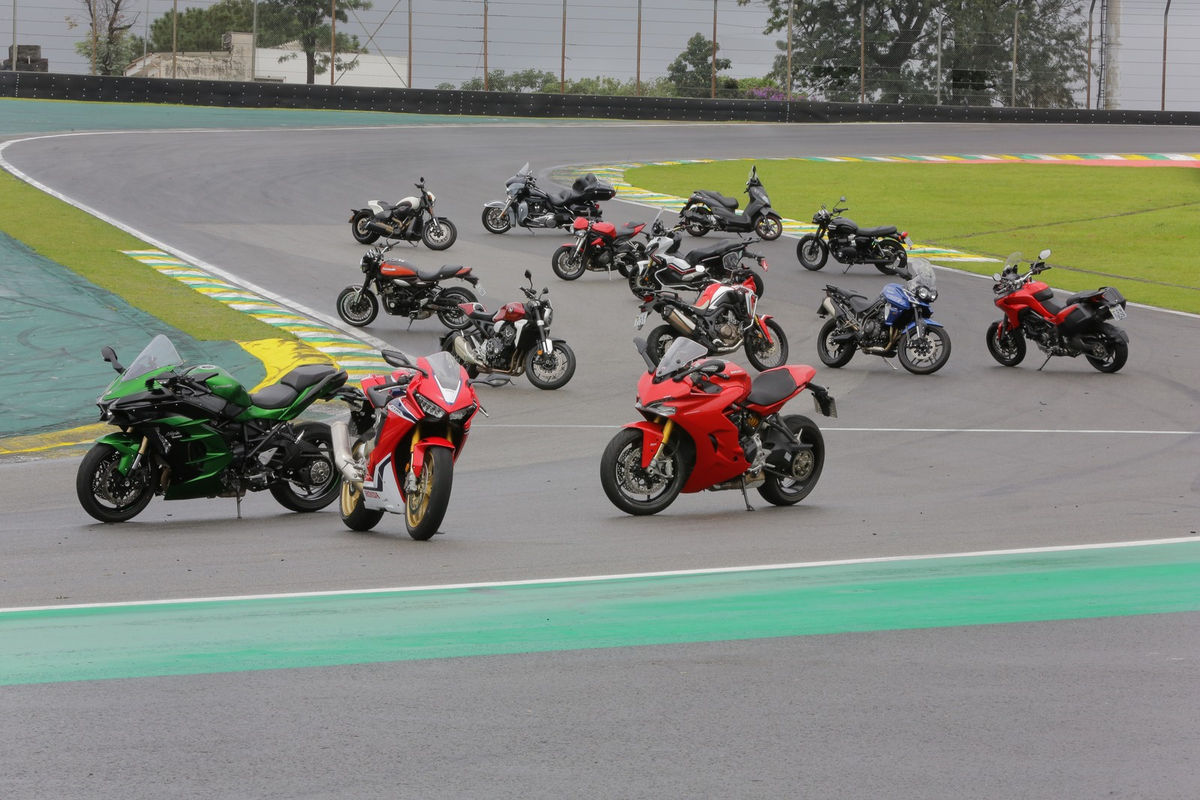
(110, 355)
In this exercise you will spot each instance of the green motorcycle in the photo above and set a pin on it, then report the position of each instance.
(194, 431)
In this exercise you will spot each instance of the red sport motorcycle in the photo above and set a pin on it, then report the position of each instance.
(409, 428)
(599, 247)
(709, 426)
(1077, 327)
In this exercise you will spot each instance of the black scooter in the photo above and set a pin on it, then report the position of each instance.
(712, 211)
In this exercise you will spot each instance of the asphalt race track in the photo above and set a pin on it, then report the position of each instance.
(975, 458)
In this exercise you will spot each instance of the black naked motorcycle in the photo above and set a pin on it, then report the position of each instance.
(712, 211)
(407, 291)
(514, 340)
(530, 206)
(411, 219)
(661, 267)
(885, 247)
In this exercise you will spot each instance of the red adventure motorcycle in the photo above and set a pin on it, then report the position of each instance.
(1078, 326)
(409, 428)
(709, 426)
(599, 247)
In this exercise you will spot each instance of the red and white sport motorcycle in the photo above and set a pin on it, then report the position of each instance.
(409, 428)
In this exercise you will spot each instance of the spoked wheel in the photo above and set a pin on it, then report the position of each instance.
(636, 489)
(358, 226)
(452, 316)
(658, 340)
(764, 354)
(105, 493)
(769, 227)
(924, 355)
(897, 258)
(812, 251)
(355, 515)
(495, 220)
(425, 507)
(551, 370)
(799, 470)
(315, 482)
(439, 234)
(1007, 348)
(1116, 351)
(832, 351)
(357, 306)
(567, 263)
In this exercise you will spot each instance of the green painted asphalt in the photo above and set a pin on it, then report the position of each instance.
(195, 637)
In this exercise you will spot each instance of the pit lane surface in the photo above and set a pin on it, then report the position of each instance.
(977, 457)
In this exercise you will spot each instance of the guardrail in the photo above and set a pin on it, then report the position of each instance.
(53, 86)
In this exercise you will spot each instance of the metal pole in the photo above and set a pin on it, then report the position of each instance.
(1016, 11)
(409, 86)
(939, 63)
(791, 8)
(332, 38)
(562, 69)
(1167, 11)
(1089, 60)
(638, 74)
(13, 54)
(862, 53)
(253, 42)
(145, 39)
(174, 39)
(714, 51)
(485, 66)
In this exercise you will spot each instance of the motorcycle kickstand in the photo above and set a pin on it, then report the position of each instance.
(745, 497)
(1047, 361)
(891, 364)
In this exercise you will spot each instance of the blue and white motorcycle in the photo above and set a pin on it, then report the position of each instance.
(899, 322)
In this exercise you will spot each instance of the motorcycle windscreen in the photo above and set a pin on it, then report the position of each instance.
(682, 352)
(157, 354)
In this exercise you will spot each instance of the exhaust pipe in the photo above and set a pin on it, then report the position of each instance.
(342, 455)
(465, 352)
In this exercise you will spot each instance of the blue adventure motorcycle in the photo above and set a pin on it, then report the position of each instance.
(897, 323)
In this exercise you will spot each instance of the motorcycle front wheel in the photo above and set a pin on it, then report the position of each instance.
(812, 252)
(802, 470)
(1008, 349)
(832, 352)
(315, 483)
(924, 355)
(1116, 351)
(631, 487)
(105, 493)
(897, 258)
(566, 263)
(439, 234)
(355, 515)
(425, 507)
(658, 340)
(453, 317)
(495, 220)
(769, 227)
(358, 227)
(763, 354)
(357, 306)
(551, 370)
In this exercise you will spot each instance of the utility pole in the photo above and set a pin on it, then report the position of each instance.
(862, 53)
(638, 74)
(791, 8)
(485, 68)
(714, 51)
(562, 69)
(1167, 11)
(13, 54)
(1089, 58)
(174, 39)
(253, 39)
(332, 38)
(1013, 102)
(409, 82)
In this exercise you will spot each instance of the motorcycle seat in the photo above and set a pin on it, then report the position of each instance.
(390, 208)
(437, 273)
(627, 230)
(728, 202)
(708, 251)
(771, 386)
(293, 384)
(884, 230)
(858, 302)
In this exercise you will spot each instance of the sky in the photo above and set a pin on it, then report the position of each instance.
(602, 38)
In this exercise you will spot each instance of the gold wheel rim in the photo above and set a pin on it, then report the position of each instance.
(417, 503)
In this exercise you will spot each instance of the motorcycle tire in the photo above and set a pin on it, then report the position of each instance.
(658, 340)
(358, 227)
(694, 226)
(1008, 350)
(553, 370)
(898, 263)
(566, 264)
(804, 468)
(425, 508)
(812, 252)
(105, 493)
(924, 355)
(769, 227)
(833, 353)
(355, 515)
(1117, 351)
(629, 486)
(763, 355)
(357, 306)
(317, 483)
(495, 220)
(439, 234)
(454, 318)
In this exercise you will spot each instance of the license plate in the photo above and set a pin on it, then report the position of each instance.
(640, 321)
(1119, 313)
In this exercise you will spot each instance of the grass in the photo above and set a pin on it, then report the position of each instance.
(1133, 228)
(93, 249)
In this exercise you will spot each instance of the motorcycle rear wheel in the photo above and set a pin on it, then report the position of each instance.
(1117, 352)
(762, 354)
(425, 508)
(805, 466)
(1008, 349)
(898, 265)
(658, 340)
(357, 306)
(315, 484)
(552, 370)
(495, 220)
(355, 515)
(629, 486)
(439, 234)
(769, 227)
(812, 252)
(566, 263)
(924, 355)
(105, 493)
(453, 318)
(358, 227)
(833, 353)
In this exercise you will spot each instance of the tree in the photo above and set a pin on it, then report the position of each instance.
(900, 49)
(108, 47)
(692, 71)
(311, 30)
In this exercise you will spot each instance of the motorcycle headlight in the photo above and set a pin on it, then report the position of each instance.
(513, 189)
(463, 414)
(429, 196)
(926, 295)
(430, 408)
(547, 314)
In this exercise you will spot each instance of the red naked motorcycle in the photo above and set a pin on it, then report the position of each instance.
(1079, 326)
(408, 429)
(599, 247)
(709, 426)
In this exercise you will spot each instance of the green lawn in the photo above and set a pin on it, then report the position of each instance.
(1134, 228)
